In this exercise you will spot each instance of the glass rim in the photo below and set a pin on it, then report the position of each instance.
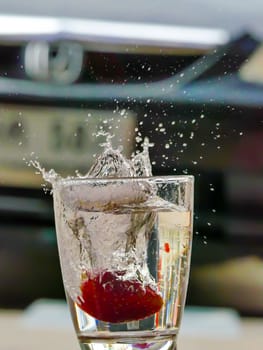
(155, 178)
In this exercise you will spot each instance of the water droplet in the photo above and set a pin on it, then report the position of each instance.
(241, 133)
(193, 121)
(202, 116)
(181, 75)
(167, 146)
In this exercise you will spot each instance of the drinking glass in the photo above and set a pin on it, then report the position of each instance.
(124, 247)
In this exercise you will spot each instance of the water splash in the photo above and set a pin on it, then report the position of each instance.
(50, 176)
(110, 163)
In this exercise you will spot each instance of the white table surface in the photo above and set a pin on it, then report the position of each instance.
(20, 332)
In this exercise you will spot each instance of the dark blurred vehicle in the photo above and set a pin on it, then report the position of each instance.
(192, 91)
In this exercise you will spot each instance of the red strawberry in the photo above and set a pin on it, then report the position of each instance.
(110, 298)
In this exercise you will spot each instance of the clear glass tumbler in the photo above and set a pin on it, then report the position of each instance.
(124, 247)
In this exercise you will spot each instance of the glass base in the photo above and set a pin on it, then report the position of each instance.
(151, 344)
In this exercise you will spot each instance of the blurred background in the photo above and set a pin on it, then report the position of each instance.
(188, 75)
(230, 15)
